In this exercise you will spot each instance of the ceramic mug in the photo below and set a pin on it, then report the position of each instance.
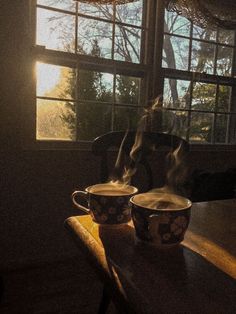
(160, 219)
(108, 203)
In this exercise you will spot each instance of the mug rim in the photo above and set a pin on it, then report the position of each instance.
(187, 206)
(134, 189)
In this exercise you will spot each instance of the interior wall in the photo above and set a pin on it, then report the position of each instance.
(35, 185)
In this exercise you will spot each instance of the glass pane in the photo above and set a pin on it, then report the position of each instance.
(224, 96)
(203, 33)
(126, 118)
(158, 119)
(201, 127)
(232, 133)
(127, 89)
(221, 128)
(55, 30)
(204, 96)
(104, 11)
(203, 55)
(55, 81)
(55, 120)
(68, 5)
(176, 93)
(130, 13)
(94, 38)
(224, 61)
(176, 24)
(93, 120)
(95, 86)
(176, 51)
(181, 124)
(127, 44)
(226, 36)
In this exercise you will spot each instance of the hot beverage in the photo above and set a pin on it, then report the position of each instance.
(112, 191)
(160, 201)
(108, 203)
(160, 219)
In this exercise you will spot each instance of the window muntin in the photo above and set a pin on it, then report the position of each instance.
(210, 51)
(82, 102)
(199, 78)
(84, 96)
(187, 50)
(116, 29)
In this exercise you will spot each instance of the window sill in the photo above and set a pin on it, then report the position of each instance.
(87, 146)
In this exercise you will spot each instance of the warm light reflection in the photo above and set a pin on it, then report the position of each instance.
(47, 76)
(212, 252)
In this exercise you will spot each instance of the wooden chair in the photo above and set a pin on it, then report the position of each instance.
(150, 141)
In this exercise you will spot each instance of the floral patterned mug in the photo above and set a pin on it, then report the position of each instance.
(108, 203)
(160, 219)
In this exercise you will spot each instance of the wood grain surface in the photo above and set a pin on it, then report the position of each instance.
(196, 277)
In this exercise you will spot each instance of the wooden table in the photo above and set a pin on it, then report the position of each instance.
(197, 277)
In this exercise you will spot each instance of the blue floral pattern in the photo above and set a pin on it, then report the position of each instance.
(110, 209)
(158, 227)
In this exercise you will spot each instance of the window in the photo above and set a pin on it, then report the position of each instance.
(97, 66)
(90, 68)
(199, 80)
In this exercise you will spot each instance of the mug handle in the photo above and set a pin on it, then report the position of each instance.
(83, 194)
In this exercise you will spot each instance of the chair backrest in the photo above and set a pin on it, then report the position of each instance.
(150, 142)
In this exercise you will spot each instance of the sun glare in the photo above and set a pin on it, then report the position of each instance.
(48, 77)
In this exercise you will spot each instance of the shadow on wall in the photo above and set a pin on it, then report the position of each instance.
(208, 186)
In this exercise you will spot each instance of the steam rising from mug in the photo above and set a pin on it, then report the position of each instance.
(152, 120)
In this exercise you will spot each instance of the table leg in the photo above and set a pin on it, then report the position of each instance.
(105, 301)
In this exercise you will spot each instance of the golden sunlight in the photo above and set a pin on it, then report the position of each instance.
(48, 77)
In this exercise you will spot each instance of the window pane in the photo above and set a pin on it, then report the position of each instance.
(176, 93)
(232, 130)
(203, 33)
(127, 44)
(68, 5)
(203, 55)
(94, 38)
(176, 52)
(130, 13)
(55, 81)
(95, 86)
(176, 24)
(55, 120)
(221, 128)
(126, 118)
(224, 96)
(158, 119)
(104, 11)
(127, 89)
(201, 126)
(55, 30)
(204, 96)
(181, 124)
(93, 120)
(226, 36)
(224, 61)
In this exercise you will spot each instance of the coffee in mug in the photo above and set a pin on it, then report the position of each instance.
(108, 203)
(160, 219)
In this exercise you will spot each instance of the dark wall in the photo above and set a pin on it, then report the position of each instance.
(35, 201)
